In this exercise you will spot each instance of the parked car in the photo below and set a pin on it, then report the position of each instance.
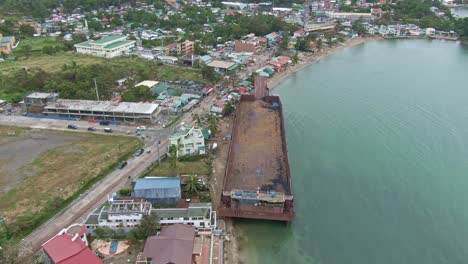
(122, 165)
(104, 122)
(148, 151)
(139, 152)
(72, 127)
(91, 129)
(141, 128)
(108, 130)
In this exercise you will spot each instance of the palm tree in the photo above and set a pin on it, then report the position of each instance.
(196, 117)
(213, 124)
(173, 156)
(191, 184)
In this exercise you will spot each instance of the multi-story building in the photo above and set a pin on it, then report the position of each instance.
(199, 215)
(121, 213)
(36, 101)
(189, 141)
(103, 110)
(107, 47)
(185, 47)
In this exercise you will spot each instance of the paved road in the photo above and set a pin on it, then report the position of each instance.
(88, 201)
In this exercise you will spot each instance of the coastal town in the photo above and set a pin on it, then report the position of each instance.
(147, 127)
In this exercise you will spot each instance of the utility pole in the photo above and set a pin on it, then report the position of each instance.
(159, 156)
(95, 87)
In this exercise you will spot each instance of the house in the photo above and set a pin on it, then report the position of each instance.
(241, 46)
(36, 101)
(222, 66)
(70, 246)
(107, 47)
(171, 49)
(118, 213)
(273, 37)
(175, 244)
(199, 215)
(167, 59)
(206, 59)
(189, 141)
(6, 44)
(299, 33)
(158, 190)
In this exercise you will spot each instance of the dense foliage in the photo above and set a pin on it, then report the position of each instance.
(77, 81)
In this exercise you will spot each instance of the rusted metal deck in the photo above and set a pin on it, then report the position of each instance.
(257, 180)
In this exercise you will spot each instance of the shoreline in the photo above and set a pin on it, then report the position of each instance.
(308, 59)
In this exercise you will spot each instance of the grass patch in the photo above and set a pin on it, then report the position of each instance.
(49, 63)
(61, 174)
(199, 167)
(177, 118)
(37, 44)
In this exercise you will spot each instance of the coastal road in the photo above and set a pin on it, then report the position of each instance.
(88, 201)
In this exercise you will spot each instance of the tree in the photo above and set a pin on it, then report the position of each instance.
(284, 42)
(104, 232)
(229, 108)
(208, 73)
(191, 184)
(148, 226)
(173, 156)
(295, 58)
(137, 94)
(358, 27)
(319, 44)
(196, 117)
(26, 30)
(197, 49)
(213, 124)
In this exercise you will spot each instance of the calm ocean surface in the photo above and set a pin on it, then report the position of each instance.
(378, 146)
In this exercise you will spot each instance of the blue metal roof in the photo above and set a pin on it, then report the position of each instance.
(157, 183)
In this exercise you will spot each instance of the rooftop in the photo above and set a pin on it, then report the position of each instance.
(221, 64)
(157, 183)
(257, 156)
(40, 95)
(173, 245)
(202, 210)
(147, 83)
(66, 250)
(104, 106)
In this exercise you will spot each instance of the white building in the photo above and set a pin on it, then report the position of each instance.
(124, 213)
(107, 47)
(199, 215)
(189, 141)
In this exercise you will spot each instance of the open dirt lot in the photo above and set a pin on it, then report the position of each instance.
(38, 166)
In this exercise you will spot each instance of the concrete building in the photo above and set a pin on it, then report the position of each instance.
(6, 44)
(167, 59)
(36, 101)
(107, 47)
(121, 213)
(189, 141)
(185, 47)
(199, 215)
(158, 190)
(103, 110)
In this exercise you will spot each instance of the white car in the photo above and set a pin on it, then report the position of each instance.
(141, 128)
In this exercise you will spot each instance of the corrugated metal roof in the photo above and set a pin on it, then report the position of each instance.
(157, 183)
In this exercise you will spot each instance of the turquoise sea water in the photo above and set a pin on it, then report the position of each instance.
(378, 146)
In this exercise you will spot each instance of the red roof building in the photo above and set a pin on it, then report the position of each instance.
(69, 247)
(241, 46)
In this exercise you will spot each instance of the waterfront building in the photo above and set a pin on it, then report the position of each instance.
(199, 215)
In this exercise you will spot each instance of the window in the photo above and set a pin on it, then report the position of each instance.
(186, 218)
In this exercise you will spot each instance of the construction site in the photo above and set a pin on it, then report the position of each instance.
(257, 182)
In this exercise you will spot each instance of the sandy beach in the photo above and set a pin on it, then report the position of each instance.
(307, 59)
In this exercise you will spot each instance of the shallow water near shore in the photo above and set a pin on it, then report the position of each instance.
(378, 146)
